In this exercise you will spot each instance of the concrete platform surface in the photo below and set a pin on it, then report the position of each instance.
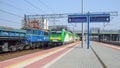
(85, 58)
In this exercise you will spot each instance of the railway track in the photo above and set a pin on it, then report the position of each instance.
(117, 43)
(10, 55)
(112, 42)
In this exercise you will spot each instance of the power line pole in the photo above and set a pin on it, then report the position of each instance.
(82, 27)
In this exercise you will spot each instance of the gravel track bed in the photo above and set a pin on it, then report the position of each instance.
(6, 56)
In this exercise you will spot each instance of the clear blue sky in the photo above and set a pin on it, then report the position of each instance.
(21, 7)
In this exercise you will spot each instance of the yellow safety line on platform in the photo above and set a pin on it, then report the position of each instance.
(26, 62)
(56, 59)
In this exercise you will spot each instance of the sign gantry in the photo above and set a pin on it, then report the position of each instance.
(89, 17)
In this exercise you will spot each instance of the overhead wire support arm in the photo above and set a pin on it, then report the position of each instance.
(64, 15)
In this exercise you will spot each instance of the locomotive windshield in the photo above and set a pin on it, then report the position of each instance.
(56, 32)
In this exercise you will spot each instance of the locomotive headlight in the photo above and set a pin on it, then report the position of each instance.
(55, 38)
(51, 38)
(59, 38)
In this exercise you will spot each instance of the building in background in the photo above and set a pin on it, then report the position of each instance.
(35, 24)
(45, 24)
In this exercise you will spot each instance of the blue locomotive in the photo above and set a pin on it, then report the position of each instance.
(14, 39)
(36, 38)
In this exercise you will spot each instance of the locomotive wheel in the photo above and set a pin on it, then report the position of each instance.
(32, 46)
(50, 45)
(37, 46)
(20, 48)
(12, 48)
(27, 47)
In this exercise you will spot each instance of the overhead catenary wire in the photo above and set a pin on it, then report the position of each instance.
(10, 13)
(33, 5)
(46, 6)
(8, 20)
(10, 5)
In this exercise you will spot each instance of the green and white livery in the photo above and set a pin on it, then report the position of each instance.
(61, 36)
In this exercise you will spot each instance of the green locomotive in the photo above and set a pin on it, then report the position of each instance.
(62, 36)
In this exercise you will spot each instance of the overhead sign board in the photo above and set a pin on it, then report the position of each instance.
(89, 18)
(100, 18)
(77, 19)
(93, 18)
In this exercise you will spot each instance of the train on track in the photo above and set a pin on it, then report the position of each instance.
(19, 39)
(62, 36)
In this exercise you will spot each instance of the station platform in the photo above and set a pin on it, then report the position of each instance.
(99, 55)
(77, 58)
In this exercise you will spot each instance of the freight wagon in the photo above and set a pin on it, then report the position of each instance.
(13, 39)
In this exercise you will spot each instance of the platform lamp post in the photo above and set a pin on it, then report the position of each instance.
(82, 27)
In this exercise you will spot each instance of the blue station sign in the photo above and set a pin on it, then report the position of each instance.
(88, 18)
(100, 18)
(93, 18)
(77, 19)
